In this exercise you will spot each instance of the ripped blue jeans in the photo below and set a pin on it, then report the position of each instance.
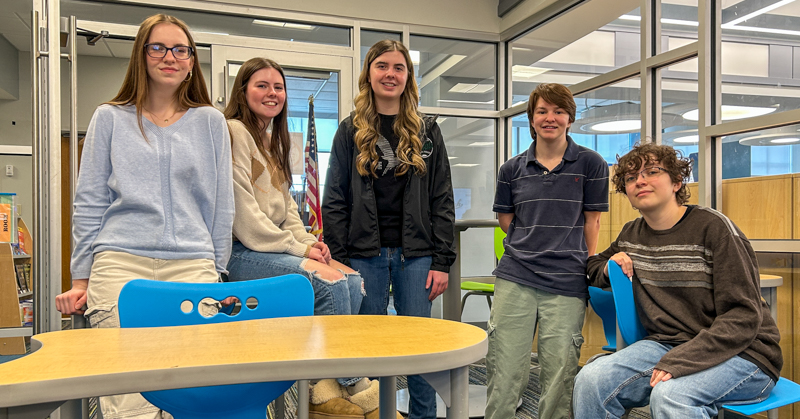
(330, 297)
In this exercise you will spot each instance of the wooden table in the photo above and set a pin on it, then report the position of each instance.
(76, 364)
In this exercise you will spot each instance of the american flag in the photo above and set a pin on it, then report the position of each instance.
(312, 177)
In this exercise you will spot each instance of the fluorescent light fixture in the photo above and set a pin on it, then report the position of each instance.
(213, 33)
(785, 140)
(680, 22)
(618, 126)
(471, 102)
(521, 49)
(758, 12)
(471, 88)
(732, 112)
(689, 139)
(465, 165)
(763, 30)
(481, 143)
(663, 20)
(287, 25)
(526, 72)
(451, 157)
(414, 56)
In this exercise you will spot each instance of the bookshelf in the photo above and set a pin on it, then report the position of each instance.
(16, 285)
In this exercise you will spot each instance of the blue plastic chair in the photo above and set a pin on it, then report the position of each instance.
(283, 296)
(602, 303)
(630, 328)
(784, 393)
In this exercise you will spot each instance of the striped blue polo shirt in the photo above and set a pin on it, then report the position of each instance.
(545, 247)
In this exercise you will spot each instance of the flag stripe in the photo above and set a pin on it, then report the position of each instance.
(312, 180)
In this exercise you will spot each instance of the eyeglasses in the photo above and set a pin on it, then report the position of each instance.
(180, 52)
(648, 174)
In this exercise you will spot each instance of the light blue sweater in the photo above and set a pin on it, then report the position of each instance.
(167, 197)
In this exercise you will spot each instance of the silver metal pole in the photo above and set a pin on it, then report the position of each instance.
(37, 171)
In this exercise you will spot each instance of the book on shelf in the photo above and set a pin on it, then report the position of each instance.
(27, 268)
(22, 286)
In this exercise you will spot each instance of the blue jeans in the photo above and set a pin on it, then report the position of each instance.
(407, 278)
(339, 297)
(610, 384)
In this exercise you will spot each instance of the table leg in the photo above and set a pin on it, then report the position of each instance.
(770, 294)
(387, 400)
(302, 400)
(451, 299)
(459, 393)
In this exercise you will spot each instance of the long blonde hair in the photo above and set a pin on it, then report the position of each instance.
(134, 89)
(406, 126)
(279, 143)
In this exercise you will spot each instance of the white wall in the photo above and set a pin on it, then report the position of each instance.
(15, 115)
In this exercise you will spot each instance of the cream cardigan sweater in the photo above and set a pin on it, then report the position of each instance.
(266, 218)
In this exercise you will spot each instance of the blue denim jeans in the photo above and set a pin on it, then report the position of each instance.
(339, 297)
(610, 384)
(407, 278)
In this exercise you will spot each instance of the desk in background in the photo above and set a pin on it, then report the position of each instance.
(76, 364)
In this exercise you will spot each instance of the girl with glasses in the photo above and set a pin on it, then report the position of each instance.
(388, 206)
(269, 236)
(155, 191)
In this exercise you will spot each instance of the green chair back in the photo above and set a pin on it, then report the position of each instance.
(499, 249)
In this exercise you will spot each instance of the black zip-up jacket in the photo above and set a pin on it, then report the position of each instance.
(350, 214)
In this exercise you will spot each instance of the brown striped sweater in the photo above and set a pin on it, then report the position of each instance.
(697, 285)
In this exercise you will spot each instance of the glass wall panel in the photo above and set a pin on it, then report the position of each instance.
(210, 22)
(455, 74)
(678, 23)
(369, 38)
(607, 120)
(471, 149)
(761, 153)
(679, 109)
(538, 58)
(760, 58)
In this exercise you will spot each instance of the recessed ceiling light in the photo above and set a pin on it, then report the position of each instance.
(466, 165)
(471, 88)
(618, 126)
(481, 143)
(732, 112)
(689, 139)
(785, 140)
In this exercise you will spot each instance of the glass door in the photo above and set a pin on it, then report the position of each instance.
(326, 78)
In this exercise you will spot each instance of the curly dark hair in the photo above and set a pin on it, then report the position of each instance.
(642, 155)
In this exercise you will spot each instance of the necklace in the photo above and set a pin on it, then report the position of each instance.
(154, 116)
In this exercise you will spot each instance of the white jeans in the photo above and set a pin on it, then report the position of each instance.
(110, 272)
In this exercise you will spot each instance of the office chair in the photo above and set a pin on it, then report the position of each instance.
(482, 288)
(283, 296)
(784, 393)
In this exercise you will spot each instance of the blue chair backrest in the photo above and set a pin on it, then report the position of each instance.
(602, 303)
(630, 327)
(146, 303)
